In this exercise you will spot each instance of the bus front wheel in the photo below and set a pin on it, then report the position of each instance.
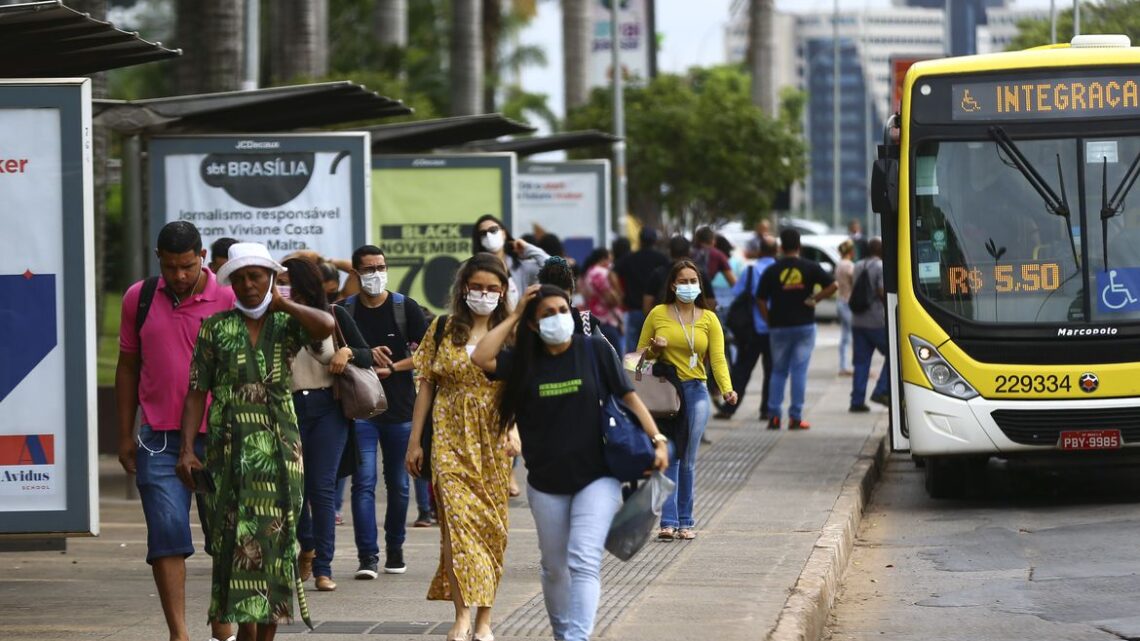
(954, 477)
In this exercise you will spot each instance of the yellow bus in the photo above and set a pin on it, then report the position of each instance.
(1012, 241)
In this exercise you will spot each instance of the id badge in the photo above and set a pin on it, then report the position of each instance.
(692, 361)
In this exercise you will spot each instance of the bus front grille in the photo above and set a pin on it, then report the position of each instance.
(1044, 427)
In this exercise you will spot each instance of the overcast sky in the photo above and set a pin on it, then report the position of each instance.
(692, 30)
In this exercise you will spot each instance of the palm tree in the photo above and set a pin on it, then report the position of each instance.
(760, 53)
(466, 67)
(210, 35)
(576, 27)
(492, 28)
(391, 20)
(300, 39)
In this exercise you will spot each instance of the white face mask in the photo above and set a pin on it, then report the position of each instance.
(259, 311)
(557, 329)
(687, 292)
(374, 284)
(482, 305)
(494, 242)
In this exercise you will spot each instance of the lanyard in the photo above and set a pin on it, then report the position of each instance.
(690, 339)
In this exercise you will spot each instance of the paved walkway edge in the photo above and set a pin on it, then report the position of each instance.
(805, 613)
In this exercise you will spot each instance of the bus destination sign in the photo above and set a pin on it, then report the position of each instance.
(1057, 98)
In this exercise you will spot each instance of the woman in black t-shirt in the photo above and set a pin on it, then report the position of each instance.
(550, 391)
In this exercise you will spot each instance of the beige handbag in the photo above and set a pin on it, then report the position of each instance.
(658, 394)
(357, 388)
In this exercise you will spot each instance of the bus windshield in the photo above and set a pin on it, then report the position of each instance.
(991, 246)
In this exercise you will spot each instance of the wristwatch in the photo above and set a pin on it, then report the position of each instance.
(659, 438)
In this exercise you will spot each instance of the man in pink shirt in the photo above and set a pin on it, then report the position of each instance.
(156, 342)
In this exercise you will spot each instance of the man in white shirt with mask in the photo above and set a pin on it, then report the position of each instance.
(392, 324)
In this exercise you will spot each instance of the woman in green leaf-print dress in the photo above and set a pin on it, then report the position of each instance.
(253, 447)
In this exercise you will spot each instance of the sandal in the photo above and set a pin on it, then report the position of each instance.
(667, 534)
(686, 534)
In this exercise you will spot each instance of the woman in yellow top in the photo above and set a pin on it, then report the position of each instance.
(684, 333)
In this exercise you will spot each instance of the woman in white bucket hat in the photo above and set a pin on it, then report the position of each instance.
(253, 467)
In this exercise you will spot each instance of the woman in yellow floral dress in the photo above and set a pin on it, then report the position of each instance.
(470, 456)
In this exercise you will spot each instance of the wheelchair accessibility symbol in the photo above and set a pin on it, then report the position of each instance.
(968, 103)
(1118, 293)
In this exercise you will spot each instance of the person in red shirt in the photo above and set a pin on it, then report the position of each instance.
(709, 259)
(153, 374)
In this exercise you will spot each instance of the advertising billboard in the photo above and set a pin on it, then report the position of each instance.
(899, 66)
(289, 191)
(425, 209)
(635, 33)
(568, 199)
(49, 481)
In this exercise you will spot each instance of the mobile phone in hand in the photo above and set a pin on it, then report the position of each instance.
(203, 481)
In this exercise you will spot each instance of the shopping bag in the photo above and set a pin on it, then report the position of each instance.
(639, 517)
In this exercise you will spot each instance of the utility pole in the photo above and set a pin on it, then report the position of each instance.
(835, 165)
(619, 217)
(1076, 18)
(251, 67)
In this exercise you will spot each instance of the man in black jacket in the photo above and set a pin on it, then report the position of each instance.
(392, 324)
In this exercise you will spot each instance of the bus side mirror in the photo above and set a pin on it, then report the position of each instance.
(885, 202)
(885, 188)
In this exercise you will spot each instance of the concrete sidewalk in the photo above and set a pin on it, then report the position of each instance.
(774, 512)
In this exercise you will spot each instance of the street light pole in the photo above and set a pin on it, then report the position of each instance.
(1053, 21)
(835, 165)
(620, 198)
(1076, 18)
(252, 62)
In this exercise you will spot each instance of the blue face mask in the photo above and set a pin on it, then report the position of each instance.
(687, 293)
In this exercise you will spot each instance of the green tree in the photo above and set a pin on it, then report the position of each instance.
(699, 149)
(1107, 16)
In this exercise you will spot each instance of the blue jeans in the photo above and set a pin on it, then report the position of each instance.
(423, 494)
(393, 445)
(165, 500)
(634, 319)
(844, 311)
(867, 340)
(420, 483)
(572, 531)
(678, 508)
(324, 433)
(791, 353)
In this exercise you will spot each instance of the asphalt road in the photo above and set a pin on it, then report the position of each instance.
(1043, 556)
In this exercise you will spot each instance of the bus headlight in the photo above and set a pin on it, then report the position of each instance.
(941, 375)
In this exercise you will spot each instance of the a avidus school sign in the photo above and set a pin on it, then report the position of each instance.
(48, 473)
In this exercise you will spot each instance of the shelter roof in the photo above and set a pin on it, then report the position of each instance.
(50, 40)
(529, 145)
(259, 110)
(426, 135)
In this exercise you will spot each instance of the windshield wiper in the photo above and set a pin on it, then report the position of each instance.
(1057, 205)
(1109, 208)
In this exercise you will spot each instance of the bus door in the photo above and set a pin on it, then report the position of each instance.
(885, 202)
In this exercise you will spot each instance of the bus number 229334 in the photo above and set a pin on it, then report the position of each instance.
(1029, 384)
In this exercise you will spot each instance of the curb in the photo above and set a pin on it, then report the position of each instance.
(804, 615)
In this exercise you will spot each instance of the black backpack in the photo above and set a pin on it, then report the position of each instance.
(862, 293)
(739, 319)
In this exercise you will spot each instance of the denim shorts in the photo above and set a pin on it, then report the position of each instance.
(165, 500)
